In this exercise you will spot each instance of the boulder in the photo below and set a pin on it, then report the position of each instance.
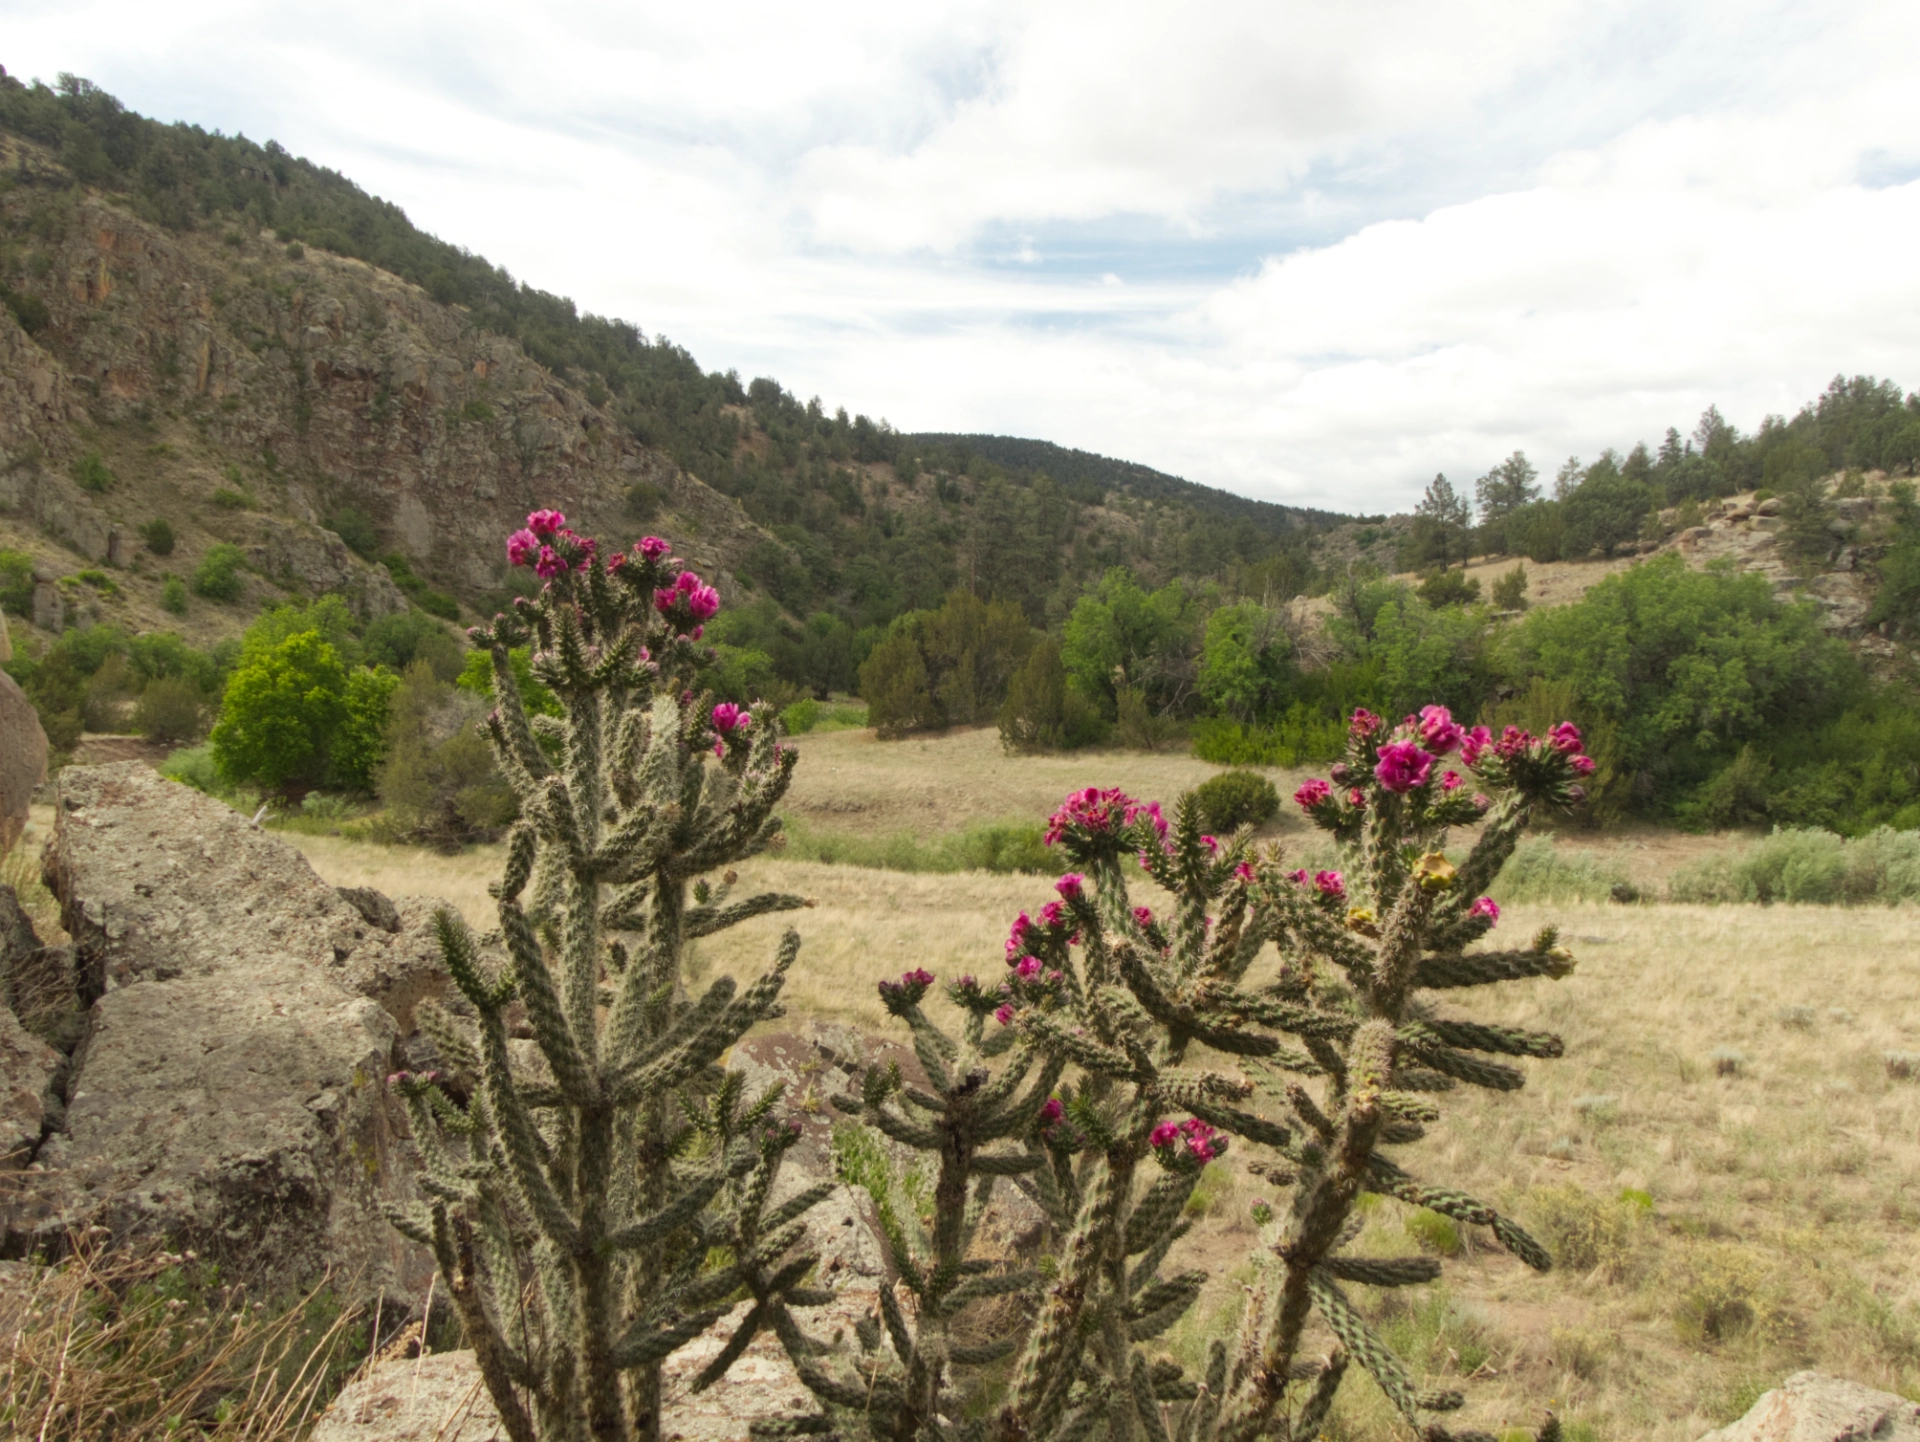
(28, 1067)
(49, 606)
(23, 759)
(1814, 1407)
(230, 1089)
(1769, 507)
(36, 982)
(440, 1398)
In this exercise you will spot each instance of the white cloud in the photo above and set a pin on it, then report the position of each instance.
(1304, 251)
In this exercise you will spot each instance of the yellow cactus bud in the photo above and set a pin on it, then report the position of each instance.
(1434, 871)
(1362, 920)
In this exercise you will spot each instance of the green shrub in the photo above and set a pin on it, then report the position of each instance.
(281, 710)
(356, 529)
(218, 575)
(799, 718)
(28, 309)
(1234, 799)
(171, 709)
(1802, 864)
(158, 534)
(1434, 1232)
(437, 777)
(228, 499)
(16, 582)
(476, 410)
(1585, 1232)
(1510, 591)
(173, 596)
(1301, 737)
(1042, 712)
(193, 766)
(437, 603)
(1445, 586)
(397, 641)
(99, 580)
(91, 473)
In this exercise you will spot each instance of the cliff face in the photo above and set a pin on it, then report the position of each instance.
(247, 391)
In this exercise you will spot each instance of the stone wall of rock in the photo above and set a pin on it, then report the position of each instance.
(227, 1088)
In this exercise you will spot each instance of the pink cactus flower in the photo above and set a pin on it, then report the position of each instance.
(1565, 738)
(1329, 883)
(1364, 723)
(1028, 968)
(1402, 766)
(1053, 915)
(1071, 886)
(1212, 843)
(546, 523)
(1312, 793)
(1004, 1016)
(1482, 800)
(652, 548)
(1439, 732)
(1450, 781)
(1142, 916)
(1165, 1134)
(1582, 765)
(1357, 799)
(727, 715)
(1476, 741)
(1243, 872)
(1051, 1112)
(1486, 906)
(549, 565)
(522, 546)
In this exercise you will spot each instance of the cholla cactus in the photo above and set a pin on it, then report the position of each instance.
(579, 1190)
(1339, 1058)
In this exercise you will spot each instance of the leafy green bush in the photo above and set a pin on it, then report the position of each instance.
(1300, 737)
(281, 711)
(1042, 712)
(1445, 586)
(800, 717)
(218, 577)
(158, 534)
(1801, 864)
(397, 641)
(173, 596)
(228, 499)
(16, 583)
(171, 709)
(356, 529)
(28, 309)
(1234, 799)
(92, 473)
(437, 777)
(193, 766)
(1510, 591)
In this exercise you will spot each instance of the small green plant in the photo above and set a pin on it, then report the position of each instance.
(356, 529)
(193, 766)
(296, 251)
(16, 582)
(217, 577)
(158, 535)
(1510, 591)
(91, 473)
(1448, 587)
(476, 410)
(1234, 799)
(173, 596)
(99, 580)
(1434, 1232)
(228, 499)
(171, 709)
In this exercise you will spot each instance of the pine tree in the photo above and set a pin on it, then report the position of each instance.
(580, 1194)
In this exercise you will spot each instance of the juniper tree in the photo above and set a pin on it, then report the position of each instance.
(1319, 1057)
(580, 1192)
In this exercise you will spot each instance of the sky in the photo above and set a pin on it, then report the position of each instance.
(1312, 253)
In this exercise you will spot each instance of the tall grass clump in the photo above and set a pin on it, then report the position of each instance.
(597, 1206)
(1808, 865)
(139, 1346)
(1079, 1068)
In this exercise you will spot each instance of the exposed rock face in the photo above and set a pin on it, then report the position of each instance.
(23, 759)
(315, 384)
(1813, 1407)
(28, 1067)
(230, 1090)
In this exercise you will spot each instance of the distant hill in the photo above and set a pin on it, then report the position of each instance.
(1093, 475)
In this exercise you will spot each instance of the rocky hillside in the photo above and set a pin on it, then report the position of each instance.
(248, 391)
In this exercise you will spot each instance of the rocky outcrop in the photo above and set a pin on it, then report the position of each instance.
(267, 390)
(1813, 1407)
(23, 759)
(229, 1091)
(28, 1067)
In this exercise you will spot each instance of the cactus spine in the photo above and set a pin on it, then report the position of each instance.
(576, 1190)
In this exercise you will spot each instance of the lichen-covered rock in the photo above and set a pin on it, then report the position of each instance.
(1814, 1407)
(23, 759)
(230, 1090)
(27, 1068)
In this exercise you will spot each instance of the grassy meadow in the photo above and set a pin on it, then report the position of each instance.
(1726, 1163)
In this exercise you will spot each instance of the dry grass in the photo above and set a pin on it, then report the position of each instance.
(1781, 1197)
(146, 1345)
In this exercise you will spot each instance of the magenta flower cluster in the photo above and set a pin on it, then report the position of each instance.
(1406, 761)
(690, 593)
(1486, 906)
(1095, 809)
(1197, 1135)
(534, 545)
